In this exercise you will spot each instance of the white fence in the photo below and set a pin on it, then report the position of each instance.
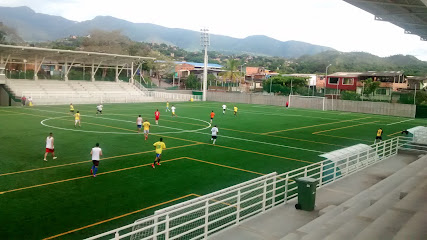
(96, 97)
(207, 215)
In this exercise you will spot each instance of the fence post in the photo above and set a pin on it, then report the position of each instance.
(384, 149)
(376, 150)
(286, 188)
(391, 147)
(321, 174)
(346, 165)
(264, 195)
(305, 172)
(397, 144)
(238, 207)
(335, 171)
(206, 218)
(167, 227)
(274, 191)
(155, 228)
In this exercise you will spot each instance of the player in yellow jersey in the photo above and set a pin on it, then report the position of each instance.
(167, 106)
(71, 109)
(160, 146)
(379, 135)
(146, 125)
(235, 111)
(77, 119)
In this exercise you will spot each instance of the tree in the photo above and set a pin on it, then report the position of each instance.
(370, 86)
(192, 82)
(211, 78)
(231, 73)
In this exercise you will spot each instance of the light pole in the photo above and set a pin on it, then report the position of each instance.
(204, 41)
(326, 79)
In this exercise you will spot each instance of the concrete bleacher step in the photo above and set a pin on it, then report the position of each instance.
(386, 226)
(336, 221)
(415, 228)
(350, 229)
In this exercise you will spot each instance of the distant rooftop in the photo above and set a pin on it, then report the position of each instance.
(201, 65)
(367, 74)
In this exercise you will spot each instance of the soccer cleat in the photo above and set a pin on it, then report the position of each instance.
(152, 165)
(158, 164)
(45, 160)
(94, 175)
(55, 158)
(91, 171)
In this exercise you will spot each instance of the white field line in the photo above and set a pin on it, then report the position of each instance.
(400, 122)
(179, 131)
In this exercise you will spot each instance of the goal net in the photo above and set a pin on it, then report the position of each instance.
(309, 102)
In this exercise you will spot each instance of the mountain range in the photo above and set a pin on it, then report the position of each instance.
(36, 27)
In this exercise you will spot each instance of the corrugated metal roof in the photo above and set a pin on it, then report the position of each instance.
(411, 15)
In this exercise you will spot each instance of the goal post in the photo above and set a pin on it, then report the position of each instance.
(310, 102)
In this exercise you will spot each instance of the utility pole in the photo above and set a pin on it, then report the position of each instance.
(204, 41)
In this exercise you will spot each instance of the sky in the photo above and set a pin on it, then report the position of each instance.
(332, 23)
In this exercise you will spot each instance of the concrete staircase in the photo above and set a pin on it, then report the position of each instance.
(394, 208)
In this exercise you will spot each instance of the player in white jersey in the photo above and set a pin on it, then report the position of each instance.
(173, 108)
(50, 147)
(99, 109)
(214, 131)
(96, 157)
(223, 108)
(139, 123)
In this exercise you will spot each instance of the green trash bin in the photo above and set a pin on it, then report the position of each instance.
(306, 193)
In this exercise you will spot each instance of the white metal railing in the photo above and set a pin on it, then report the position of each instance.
(207, 215)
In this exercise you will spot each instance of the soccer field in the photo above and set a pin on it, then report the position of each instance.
(60, 199)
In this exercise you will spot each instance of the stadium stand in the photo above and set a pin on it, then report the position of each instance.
(46, 92)
(385, 201)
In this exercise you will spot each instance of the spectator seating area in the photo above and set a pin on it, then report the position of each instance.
(385, 201)
(45, 92)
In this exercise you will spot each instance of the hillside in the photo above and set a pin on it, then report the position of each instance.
(35, 27)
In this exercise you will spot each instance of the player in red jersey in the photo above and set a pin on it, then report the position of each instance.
(157, 115)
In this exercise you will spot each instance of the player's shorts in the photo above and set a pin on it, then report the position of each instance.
(379, 137)
(146, 131)
(72, 111)
(211, 118)
(214, 137)
(139, 126)
(157, 118)
(95, 162)
(77, 121)
(99, 111)
(173, 113)
(49, 150)
(158, 155)
(235, 112)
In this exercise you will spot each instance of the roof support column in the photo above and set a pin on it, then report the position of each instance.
(37, 67)
(92, 78)
(117, 72)
(66, 70)
(131, 74)
(35, 77)
(92, 72)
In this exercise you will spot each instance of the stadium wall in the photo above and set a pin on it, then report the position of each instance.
(246, 98)
(5, 99)
(381, 108)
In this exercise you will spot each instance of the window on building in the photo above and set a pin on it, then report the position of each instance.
(348, 81)
(333, 80)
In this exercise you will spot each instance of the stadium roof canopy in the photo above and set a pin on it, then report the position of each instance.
(20, 53)
(411, 15)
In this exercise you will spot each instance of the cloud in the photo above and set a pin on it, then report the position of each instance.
(332, 23)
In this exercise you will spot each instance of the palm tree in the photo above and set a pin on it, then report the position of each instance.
(231, 72)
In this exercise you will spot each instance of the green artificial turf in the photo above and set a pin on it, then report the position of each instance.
(61, 196)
